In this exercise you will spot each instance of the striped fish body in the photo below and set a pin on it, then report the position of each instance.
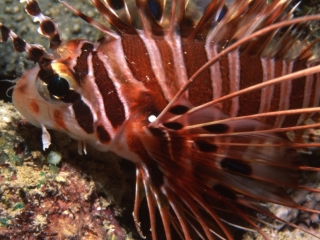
(117, 87)
(211, 113)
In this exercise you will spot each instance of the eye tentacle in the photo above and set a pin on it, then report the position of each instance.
(46, 138)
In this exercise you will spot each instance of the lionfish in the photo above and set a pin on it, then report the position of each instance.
(212, 109)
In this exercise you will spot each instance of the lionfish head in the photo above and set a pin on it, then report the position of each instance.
(211, 108)
(53, 95)
(57, 93)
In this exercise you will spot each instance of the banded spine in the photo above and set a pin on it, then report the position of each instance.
(239, 76)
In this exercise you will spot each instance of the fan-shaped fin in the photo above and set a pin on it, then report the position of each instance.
(113, 19)
(235, 47)
(236, 161)
(213, 11)
(92, 22)
(146, 10)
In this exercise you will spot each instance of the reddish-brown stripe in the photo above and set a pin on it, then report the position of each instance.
(168, 65)
(139, 63)
(251, 73)
(21, 88)
(178, 148)
(313, 94)
(81, 68)
(83, 116)
(34, 107)
(138, 147)
(162, 141)
(195, 56)
(112, 104)
(225, 88)
(276, 91)
(316, 99)
(103, 135)
(81, 110)
(297, 94)
(58, 118)
(313, 90)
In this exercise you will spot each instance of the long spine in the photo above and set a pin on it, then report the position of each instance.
(227, 150)
(237, 72)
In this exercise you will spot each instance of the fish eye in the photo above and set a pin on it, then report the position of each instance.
(58, 86)
(55, 83)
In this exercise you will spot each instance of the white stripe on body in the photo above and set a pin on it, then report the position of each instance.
(234, 78)
(268, 68)
(285, 92)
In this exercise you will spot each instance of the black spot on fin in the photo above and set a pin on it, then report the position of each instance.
(217, 128)
(224, 191)
(116, 4)
(179, 109)
(205, 146)
(236, 166)
(173, 125)
(157, 132)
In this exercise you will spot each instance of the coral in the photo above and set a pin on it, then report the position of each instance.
(77, 199)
